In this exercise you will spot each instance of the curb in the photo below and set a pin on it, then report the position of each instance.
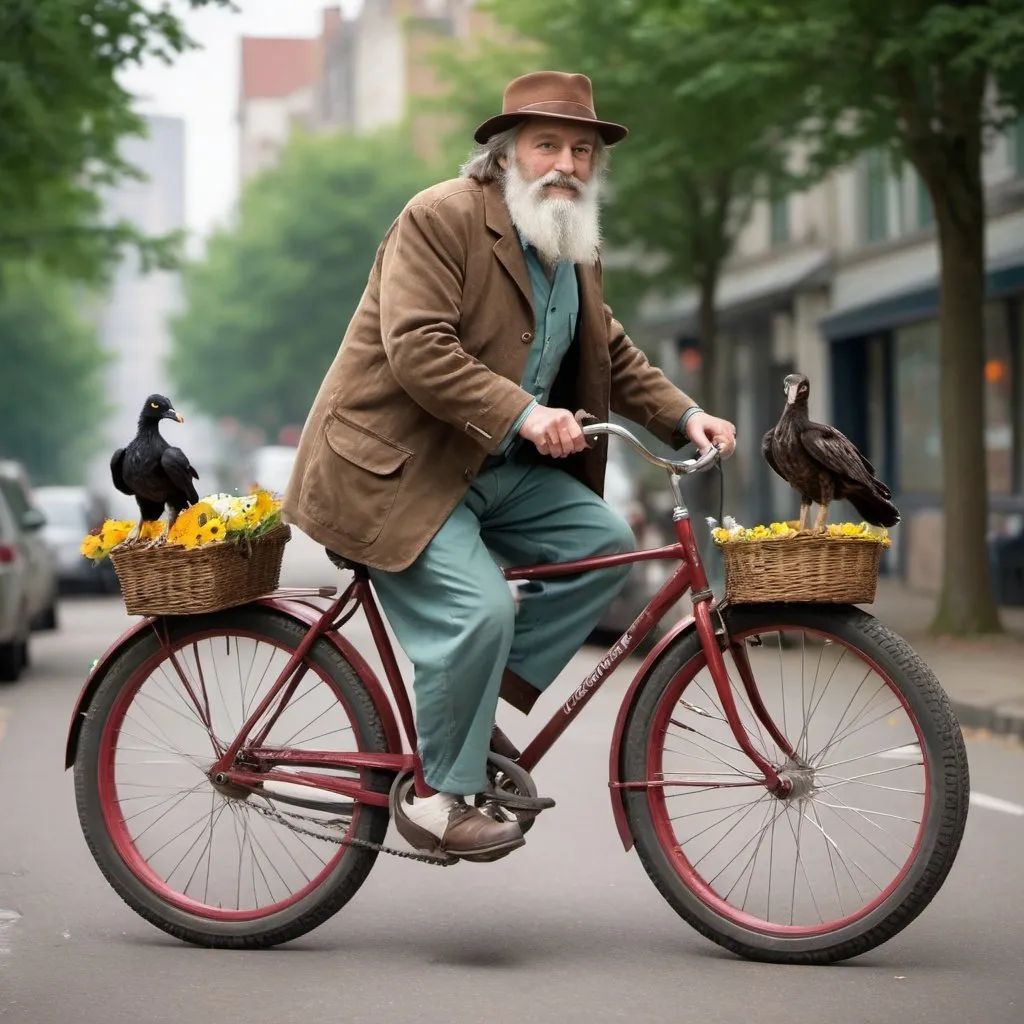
(999, 723)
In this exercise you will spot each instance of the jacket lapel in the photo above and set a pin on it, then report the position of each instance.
(507, 248)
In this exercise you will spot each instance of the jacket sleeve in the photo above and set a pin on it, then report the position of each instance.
(641, 392)
(422, 273)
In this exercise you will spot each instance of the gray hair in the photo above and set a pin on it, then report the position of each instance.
(484, 161)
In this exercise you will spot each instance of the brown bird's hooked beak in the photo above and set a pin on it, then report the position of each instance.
(791, 390)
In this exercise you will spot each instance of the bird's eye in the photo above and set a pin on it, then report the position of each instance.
(154, 405)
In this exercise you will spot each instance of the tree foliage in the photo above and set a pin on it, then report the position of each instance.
(929, 80)
(51, 390)
(63, 113)
(684, 179)
(268, 305)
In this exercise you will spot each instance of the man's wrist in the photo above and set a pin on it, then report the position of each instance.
(685, 418)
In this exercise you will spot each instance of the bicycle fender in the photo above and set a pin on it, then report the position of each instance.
(615, 758)
(297, 612)
(97, 674)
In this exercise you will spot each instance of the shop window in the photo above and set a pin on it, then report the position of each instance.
(918, 439)
(925, 212)
(918, 426)
(999, 410)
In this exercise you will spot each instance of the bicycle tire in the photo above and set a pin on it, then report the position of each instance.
(949, 795)
(352, 866)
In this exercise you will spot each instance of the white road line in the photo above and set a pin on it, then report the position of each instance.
(898, 753)
(993, 803)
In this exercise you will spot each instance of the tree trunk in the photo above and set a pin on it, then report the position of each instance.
(967, 604)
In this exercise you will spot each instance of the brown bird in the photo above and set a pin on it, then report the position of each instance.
(822, 464)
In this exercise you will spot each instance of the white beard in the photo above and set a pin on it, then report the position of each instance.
(558, 228)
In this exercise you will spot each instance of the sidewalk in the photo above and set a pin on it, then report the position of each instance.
(984, 678)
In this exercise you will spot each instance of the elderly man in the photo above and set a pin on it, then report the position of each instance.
(443, 437)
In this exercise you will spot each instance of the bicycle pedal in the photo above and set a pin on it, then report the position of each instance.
(517, 801)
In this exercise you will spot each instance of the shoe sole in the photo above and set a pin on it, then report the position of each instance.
(426, 842)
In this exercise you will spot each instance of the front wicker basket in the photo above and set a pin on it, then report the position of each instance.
(806, 568)
(172, 580)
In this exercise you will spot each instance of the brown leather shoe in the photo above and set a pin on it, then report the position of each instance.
(470, 834)
(502, 745)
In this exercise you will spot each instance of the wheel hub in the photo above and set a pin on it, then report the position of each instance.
(798, 779)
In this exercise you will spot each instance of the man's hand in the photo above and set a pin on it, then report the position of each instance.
(554, 432)
(704, 430)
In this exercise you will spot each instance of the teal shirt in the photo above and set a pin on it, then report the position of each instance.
(556, 309)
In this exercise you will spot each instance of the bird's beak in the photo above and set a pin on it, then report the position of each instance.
(172, 414)
(791, 391)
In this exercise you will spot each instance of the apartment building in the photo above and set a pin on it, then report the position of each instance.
(842, 283)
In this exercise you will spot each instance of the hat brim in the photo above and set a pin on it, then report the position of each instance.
(609, 131)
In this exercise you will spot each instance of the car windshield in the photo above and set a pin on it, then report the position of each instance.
(62, 512)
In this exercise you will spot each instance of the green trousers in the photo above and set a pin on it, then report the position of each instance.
(454, 616)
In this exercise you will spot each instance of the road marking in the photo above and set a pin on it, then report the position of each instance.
(993, 803)
(898, 753)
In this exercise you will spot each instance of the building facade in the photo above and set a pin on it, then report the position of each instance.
(841, 283)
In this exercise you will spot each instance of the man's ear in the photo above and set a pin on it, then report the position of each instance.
(503, 162)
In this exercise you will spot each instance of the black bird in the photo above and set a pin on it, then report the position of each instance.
(822, 464)
(156, 474)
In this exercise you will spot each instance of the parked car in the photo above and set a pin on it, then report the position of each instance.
(40, 558)
(71, 512)
(15, 621)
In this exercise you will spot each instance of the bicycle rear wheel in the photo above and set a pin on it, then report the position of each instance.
(214, 866)
(879, 776)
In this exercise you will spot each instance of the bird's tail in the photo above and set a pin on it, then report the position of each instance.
(874, 505)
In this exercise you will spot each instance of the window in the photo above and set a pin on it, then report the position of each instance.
(779, 210)
(925, 212)
(918, 440)
(999, 411)
(875, 190)
(918, 431)
(1016, 139)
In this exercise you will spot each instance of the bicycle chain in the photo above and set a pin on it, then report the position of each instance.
(366, 844)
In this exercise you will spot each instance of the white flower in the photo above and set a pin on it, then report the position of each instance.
(228, 505)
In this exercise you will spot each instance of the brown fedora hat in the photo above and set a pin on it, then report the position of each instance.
(551, 94)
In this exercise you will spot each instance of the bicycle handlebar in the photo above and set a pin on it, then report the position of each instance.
(684, 468)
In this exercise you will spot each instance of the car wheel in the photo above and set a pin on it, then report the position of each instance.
(47, 619)
(11, 661)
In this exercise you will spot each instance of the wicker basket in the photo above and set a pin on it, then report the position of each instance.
(174, 580)
(808, 568)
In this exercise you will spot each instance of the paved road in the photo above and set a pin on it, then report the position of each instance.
(567, 929)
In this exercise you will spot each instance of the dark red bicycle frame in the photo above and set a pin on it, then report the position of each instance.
(250, 764)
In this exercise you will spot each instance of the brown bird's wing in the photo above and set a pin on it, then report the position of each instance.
(836, 452)
(179, 470)
(766, 452)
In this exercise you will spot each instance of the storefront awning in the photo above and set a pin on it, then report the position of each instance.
(917, 300)
(740, 290)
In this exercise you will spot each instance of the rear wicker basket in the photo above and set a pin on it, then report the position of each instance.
(807, 568)
(173, 580)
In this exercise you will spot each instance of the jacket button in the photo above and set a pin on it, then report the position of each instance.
(527, 336)
(467, 473)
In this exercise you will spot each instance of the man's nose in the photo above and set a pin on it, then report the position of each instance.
(565, 164)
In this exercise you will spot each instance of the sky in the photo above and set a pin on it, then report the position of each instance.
(202, 87)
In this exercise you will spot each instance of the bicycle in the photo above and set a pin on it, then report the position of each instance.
(326, 803)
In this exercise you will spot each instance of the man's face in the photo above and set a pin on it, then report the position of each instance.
(566, 148)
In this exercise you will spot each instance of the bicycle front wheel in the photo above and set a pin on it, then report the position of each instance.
(857, 724)
(217, 866)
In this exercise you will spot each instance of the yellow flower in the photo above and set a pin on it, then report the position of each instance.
(211, 531)
(187, 525)
(152, 529)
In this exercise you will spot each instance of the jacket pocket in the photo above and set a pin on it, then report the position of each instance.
(353, 485)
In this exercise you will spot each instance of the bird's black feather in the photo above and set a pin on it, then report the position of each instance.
(117, 471)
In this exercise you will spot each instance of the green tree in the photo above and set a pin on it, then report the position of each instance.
(62, 114)
(51, 390)
(684, 180)
(268, 305)
(930, 81)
